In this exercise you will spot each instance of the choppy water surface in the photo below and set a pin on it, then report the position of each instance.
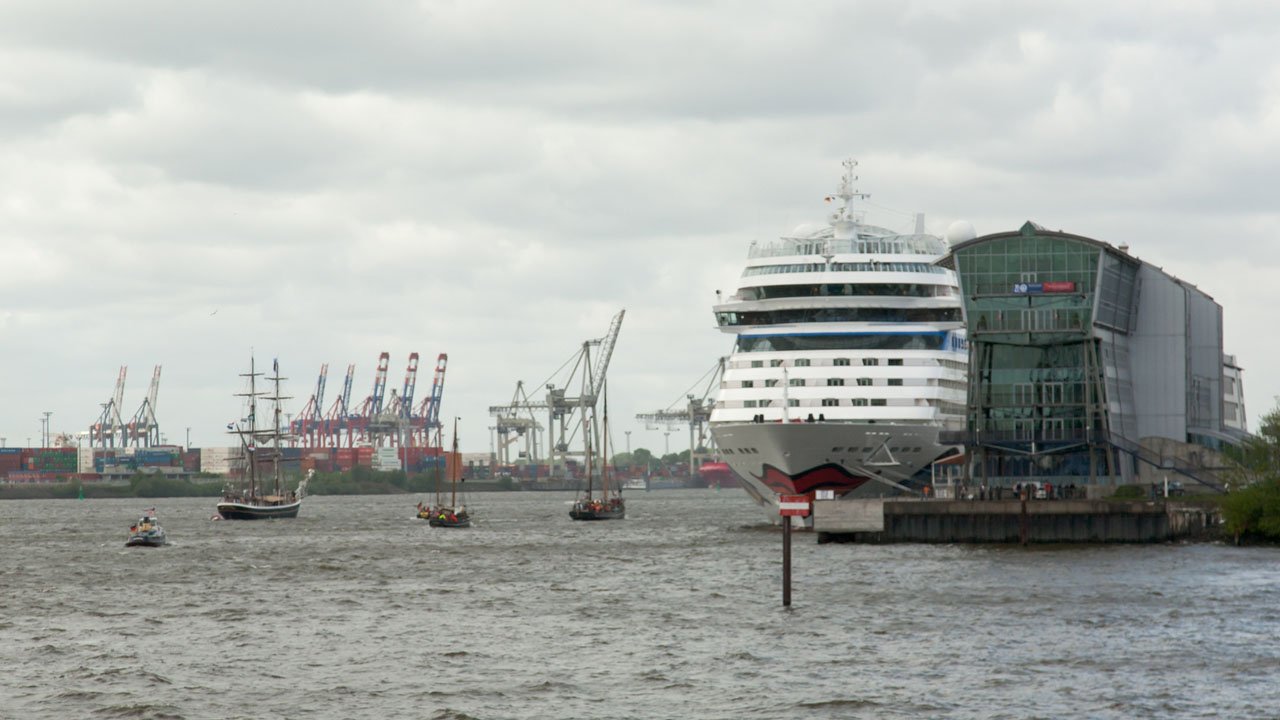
(358, 610)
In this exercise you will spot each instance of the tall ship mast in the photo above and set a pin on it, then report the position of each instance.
(454, 514)
(609, 505)
(259, 497)
(849, 357)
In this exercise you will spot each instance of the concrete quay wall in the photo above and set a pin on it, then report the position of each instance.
(1005, 521)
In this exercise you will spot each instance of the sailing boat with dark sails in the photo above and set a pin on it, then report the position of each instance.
(452, 515)
(261, 496)
(608, 505)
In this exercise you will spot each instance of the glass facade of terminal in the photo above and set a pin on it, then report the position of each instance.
(1038, 308)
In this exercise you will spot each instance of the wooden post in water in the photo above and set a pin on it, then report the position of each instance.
(789, 506)
(786, 562)
(1022, 519)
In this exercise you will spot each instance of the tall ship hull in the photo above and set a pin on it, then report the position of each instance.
(849, 358)
(255, 511)
(261, 447)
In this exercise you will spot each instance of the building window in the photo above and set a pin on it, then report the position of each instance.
(792, 402)
(835, 382)
(895, 381)
(864, 382)
(841, 362)
(880, 402)
(830, 402)
(859, 402)
(802, 362)
(796, 382)
(775, 363)
(749, 403)
(771, 383)
(1052, 393)
(870, 361)
(895, 361)
(757, 363)
(748, 383)
(1024, 394)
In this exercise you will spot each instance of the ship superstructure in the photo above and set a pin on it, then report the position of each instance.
(850, 357)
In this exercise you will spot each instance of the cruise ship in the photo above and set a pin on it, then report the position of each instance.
(850, 357)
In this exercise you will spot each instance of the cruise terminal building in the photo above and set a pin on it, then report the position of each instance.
(1089, 367)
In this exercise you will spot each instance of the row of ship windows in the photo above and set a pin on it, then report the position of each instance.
(901, 245)
(844, 267)
(851, 449)
(846, 362)
(840, 382)
(853, 314)
(943, 405)
(831, 382)
(837, 362)
(826, 402)
(773, 292)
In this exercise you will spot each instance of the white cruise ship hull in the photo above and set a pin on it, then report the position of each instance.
(852, 459)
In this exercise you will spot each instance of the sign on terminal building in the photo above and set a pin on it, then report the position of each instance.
(1053, 286)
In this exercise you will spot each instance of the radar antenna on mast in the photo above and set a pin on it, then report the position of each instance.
(845, 218)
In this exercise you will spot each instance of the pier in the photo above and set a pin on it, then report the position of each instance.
(1008, 521)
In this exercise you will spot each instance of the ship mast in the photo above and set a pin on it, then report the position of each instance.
(453, 475)
(588, 447)
(276, 411)
(844, 220)
(251, 433)
(604, 448)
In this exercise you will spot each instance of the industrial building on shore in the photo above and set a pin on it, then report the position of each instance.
(1090, 368)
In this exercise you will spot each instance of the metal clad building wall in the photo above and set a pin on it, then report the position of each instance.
(1158, 356)
(1204, 353)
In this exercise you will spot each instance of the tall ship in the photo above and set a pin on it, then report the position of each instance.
(850, 357)
(260, 494)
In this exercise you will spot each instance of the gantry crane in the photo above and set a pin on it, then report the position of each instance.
(515, 421)
(143, 430)
(109, 428)
(568, 415)
(392, 422)
(425, 420)
(363, 417)
(306, 426)
(337, 420)
(694, 410)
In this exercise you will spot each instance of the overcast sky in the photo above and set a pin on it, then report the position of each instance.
(185, 183)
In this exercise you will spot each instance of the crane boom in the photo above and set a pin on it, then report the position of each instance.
(606, 352)
(117, 399)
(410, 383)
(430, 409)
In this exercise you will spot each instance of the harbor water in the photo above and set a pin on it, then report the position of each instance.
(358, 610)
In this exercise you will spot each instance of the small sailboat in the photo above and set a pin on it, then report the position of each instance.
(608, 505)
(146, 532)
(261, 498)
(453, 514)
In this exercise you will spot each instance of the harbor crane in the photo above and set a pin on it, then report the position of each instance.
(109, 429)
(694, 410)
(425, 420)
(338, 418)
(515, 421)
(393, 421)
(567, 414)
(143, 430)
(364, 415)
(306, 426)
